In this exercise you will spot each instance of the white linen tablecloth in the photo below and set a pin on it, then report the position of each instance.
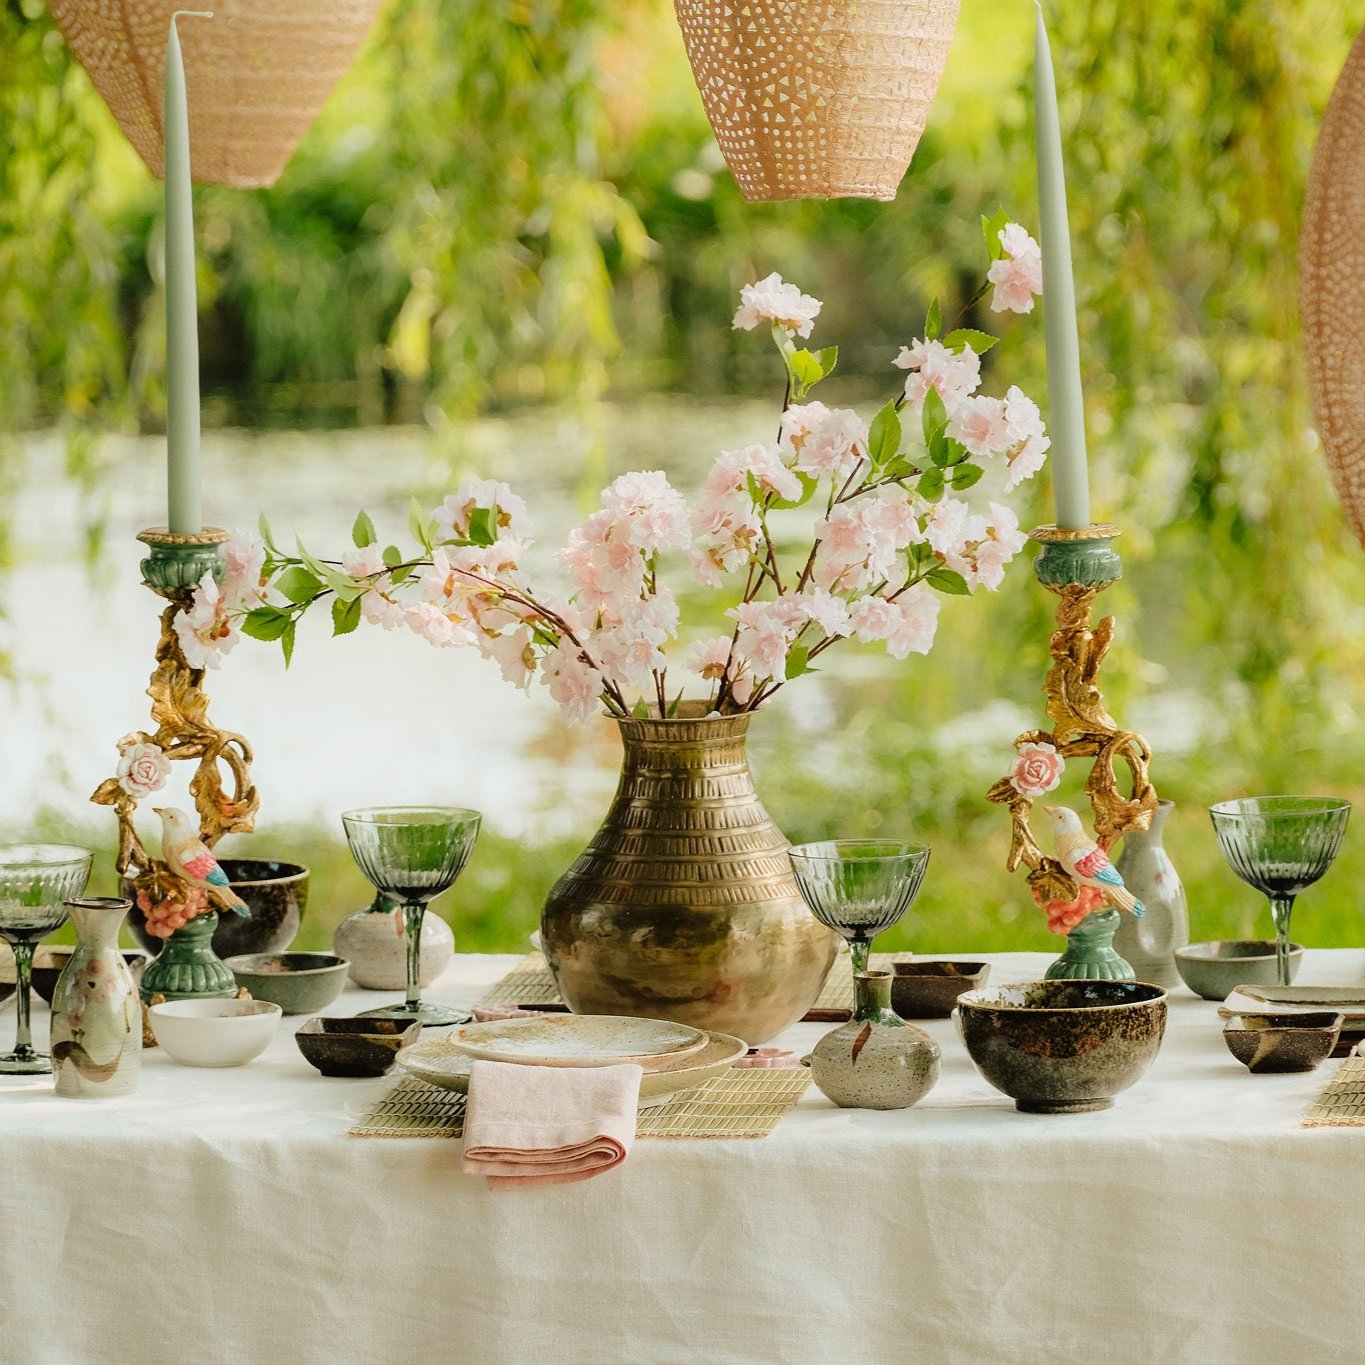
(227, 1216)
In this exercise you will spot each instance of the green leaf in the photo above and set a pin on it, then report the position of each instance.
(345, 616)
(298, 584)
(266, 623)
(393, 556)
(933, 322)
(969, 338)
(931, 484)
(798, 661)
(362, 533)
(901, 469)
(948, 581)
(402, 573)
(267, 539)
(934, 416)
(314, 565)
(940, 449)
(483, 525)
(287, 642)
(755, 489)
(990, 230)
(828, 358)
(345, 587)
(884, 437)
(419, 525)
(965, 475)
(677, 702)
(806, 371)
(809, 483)
(640, 711)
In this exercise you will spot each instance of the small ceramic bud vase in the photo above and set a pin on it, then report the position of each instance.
(96, 1012)
(876, 1060)
(372, 941)
(1149, 943)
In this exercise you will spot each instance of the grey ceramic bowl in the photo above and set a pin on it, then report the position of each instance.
(929, 990)
(1214, 970)
(49, 962)
(299, 983)
(355, 1047)
(1266, 1043)
(275, 892)
(1063, 1047)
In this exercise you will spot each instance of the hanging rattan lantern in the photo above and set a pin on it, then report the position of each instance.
(259, 73)
(817, 99)
(1332, 285)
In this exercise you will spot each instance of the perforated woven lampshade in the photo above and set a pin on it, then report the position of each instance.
(258, 73)
(817, 99)
(1332, 285)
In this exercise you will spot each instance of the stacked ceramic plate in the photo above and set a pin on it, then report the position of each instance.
(673, 1057)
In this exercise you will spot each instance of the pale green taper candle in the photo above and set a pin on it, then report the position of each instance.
(186, 513)
(1070, 476)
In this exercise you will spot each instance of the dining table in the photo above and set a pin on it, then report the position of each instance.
(227, 1215)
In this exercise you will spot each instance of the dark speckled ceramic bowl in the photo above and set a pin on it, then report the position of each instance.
(355, 1047)
(1266, 1043)
(1063, 1047)
(929, 990)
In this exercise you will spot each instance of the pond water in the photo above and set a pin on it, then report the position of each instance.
(373, 717)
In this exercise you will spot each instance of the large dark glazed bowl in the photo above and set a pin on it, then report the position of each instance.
(1063, 1047)
(277, 894)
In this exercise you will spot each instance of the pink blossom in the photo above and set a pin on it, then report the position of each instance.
(825, 610)
(1037, 770)
(376, 604)
(513, 653)
(824, 440)
(434, 625)
(143, 769)
(1018, 275)
(603, 564)
(1029, 442)
(774, 300)
(451, 518)
(907, 625)
(710, 657)
(979, 424)
(955, 374)
(573, 682)
(204, 629)
(242, 586)
(652, 510)
(363, 563)
(861, 539)
(631, 649)
(766, 631)
(1026, 461)
(950, 527)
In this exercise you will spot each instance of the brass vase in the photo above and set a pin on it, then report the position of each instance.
(684, 906)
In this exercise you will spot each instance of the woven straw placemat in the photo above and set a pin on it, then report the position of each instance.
(743, 1103)
(529, 983)
(1341, 1103)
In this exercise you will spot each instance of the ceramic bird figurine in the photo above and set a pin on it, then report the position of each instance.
(190, 858)
(1086, 860)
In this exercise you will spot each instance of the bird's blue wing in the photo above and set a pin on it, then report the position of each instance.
(217, 877)
(1107, 874)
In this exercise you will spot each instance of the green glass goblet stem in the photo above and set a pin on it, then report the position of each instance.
(1281, 908)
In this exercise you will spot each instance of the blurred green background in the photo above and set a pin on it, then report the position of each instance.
(516, 207)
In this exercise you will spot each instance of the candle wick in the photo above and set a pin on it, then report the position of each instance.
(191, 14)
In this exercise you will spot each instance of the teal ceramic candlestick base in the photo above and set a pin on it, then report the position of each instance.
(177, 563)
(1090, 954)
(187, 968)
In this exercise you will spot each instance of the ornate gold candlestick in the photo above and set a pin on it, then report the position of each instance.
(187, 966)
(1078, 565)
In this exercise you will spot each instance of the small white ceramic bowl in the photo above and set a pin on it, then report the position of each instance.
(214, 1032)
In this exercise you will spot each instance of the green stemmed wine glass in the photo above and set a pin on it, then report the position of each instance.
(36, 881)
(413, 854)
(1279, 845)
(858, 887)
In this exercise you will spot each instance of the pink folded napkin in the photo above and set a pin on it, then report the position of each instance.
(548, 1125)
(768, 1059)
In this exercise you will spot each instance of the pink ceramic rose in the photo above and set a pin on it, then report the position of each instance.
(1037, 770)
(143, 769)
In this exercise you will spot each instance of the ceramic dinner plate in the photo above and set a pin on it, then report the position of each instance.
(437, 1061)
(1348, 1001)
(578, 1040)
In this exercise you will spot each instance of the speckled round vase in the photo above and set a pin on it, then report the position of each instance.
(96, 1014)
(372, 941)
(187, 968)
(1090, 954)
(1149, 943)
(876, 1060)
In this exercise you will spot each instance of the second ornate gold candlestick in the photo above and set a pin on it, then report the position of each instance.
(1074, 885)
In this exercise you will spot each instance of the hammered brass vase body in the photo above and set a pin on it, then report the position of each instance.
(684, 906)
